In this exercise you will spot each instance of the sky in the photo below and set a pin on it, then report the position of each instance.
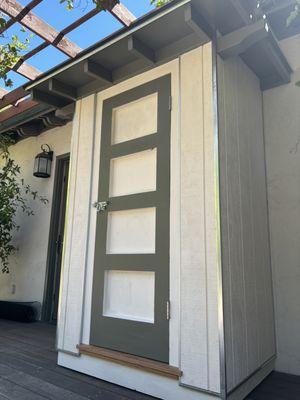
(87, 34)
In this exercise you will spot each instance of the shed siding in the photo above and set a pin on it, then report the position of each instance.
(194, 345)
(247, 278)
(199, 308)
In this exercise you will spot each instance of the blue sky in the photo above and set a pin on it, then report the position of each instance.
(56, 15)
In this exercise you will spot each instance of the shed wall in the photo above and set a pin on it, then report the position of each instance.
(247, 281)
(194, 345)
(282, 130)
(26, 279)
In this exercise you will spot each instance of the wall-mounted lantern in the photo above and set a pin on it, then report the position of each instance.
(42, 163)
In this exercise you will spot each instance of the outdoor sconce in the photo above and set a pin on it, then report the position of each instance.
(42, 163)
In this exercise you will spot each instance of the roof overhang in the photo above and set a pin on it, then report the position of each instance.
(152, 41)
(157, 38)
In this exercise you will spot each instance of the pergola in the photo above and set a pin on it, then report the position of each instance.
(16, 101)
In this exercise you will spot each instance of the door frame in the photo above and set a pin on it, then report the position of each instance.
(143, 339)
(50, 271)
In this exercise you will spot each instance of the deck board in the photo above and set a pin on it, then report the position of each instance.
(28, 371)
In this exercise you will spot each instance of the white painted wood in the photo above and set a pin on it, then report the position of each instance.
(135, 119)
(140, 223)
(193, 262)
(76, 236)
(199, 308)
(249, 317)
(132, 378)
(129, 295)
(135, 173)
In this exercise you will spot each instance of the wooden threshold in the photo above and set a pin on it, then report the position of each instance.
(129, 360)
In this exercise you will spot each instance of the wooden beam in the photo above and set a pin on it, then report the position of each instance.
(48, 98)
(155, 367)
(3, 92)
(12, 97)
(96, 71)
(141, 50)
(12, 111)
(237, 42)
(21, 15)
(26, 70)
(198, 24)
(62, 89)
(40, 27)
(122, 14)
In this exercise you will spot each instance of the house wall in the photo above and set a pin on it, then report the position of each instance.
(247, 282)
(194, 334)
(282, 131)
(26, 279)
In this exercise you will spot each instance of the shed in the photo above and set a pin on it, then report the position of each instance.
(166, 285)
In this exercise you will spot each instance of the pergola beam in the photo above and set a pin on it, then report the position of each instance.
(21, 15)
(26, 70)
(57, 95)
(12, 111)
(122, 14)
(12, 97)
(40, 27)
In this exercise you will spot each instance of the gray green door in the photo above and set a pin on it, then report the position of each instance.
(131, 270)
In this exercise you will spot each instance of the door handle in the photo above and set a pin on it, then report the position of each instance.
(101, 206)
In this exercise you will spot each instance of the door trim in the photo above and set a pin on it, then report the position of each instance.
(49, 275)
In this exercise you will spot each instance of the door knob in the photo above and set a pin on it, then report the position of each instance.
(100, 205)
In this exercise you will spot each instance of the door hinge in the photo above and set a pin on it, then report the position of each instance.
(170, 103)
(168, 310)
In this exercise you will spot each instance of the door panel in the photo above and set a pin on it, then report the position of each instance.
(131, 271)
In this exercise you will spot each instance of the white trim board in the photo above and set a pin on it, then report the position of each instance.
(131, 378)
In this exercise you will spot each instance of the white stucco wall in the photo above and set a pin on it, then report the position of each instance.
(282, 133)
(25, 282)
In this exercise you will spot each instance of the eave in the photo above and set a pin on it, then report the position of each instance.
(147, 43)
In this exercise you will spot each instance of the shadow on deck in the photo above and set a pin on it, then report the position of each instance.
(28, 371)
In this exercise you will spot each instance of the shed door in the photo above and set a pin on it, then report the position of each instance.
(131, 271)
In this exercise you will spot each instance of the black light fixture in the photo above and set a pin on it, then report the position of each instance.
(42, 163)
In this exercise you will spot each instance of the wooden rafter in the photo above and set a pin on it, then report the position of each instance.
(12, 97)
(40, 27)
(3, 92)
(122, 14)
(22, 106)
(21, 15)
(51, 36)
(26, 70)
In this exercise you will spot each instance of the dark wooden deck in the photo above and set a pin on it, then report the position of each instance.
(28, 371)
